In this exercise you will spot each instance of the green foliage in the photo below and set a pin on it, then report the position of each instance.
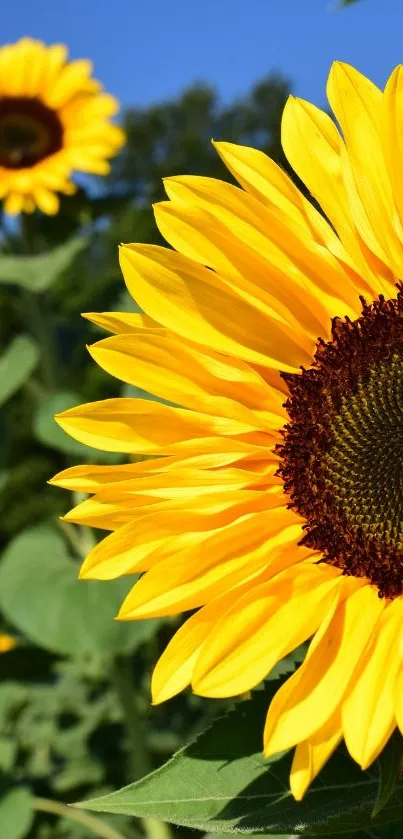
(38, 273)
(390, 763)
(50, 726)
(17, 362)
(16, 814)
(221, 782)
(42, 597)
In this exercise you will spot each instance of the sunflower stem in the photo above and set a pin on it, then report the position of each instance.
(139, 759)
(94, 824)
(42, 330)
(73, 536)
(41, 324)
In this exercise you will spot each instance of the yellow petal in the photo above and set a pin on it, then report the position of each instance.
(71, 80)
(46, 200)
(254, 266)
(13, 67)
(262, 177)
(307, 700)
(312, 754)
(197, 305)
(174, 668)
(142, 426)
(13, 204)
(56, 58)
(128, 550)
(265, 248)
(313, 147)
(391, 136)
(398, 692)
(89, 160)
(265, 625)
(35, 55)
(108, 515)
(189, 483)
(178, 525)
(89, 109)
(220, 508)
(368, 711)
(124, 322)
(202, 381)
(357, 104)
(228, 556)
(89, 478)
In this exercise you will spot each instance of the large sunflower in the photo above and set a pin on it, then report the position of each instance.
(53, 120)
(274, 506)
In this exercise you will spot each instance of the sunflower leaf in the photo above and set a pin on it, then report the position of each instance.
(39, 272)
(220, 782)
(390, 767)
(16, 814)
(41, 596)
(17, 362)
(389, 832)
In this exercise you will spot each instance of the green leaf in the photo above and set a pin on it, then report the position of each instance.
(389, 832)
(390, 767)
(8, 752)
(49, 433)
(289, 663)
(16, 813)
(38, 273)
(261, 835)
(42, 596)
(221, 782)
(17, 362)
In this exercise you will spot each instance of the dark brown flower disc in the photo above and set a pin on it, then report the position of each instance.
(342, 455)
(29, 131)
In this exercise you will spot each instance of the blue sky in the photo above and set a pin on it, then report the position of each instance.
(145, 51)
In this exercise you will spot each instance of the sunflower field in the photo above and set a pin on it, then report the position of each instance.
(201, 579)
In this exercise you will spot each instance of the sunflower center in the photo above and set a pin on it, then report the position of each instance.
(342, 454)
(29, 132)
(364, 464)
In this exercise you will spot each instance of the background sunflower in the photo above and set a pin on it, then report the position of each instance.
(54, 120)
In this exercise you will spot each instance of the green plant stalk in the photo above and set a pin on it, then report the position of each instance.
(139, 760)
(36, 314)
(73, 536)
(140, 763)
(95, 824)
(42, 330)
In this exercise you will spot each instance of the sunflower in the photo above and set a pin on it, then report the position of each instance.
(270, 501)
(53, 120)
